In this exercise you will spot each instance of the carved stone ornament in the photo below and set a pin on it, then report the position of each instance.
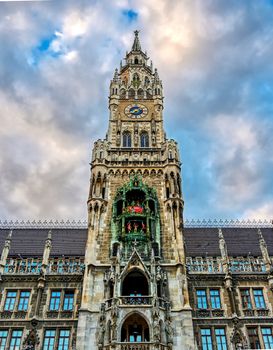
(169, 331)
(114, 318)
(102, 327)
(237, 338)
(32, 341)
(109, 275)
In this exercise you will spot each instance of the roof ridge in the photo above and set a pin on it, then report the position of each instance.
(235, 223)
(188, 223)
(47, 224)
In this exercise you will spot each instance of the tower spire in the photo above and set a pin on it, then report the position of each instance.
(136, 45)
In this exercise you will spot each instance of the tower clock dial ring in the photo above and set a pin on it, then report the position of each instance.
(136, 111)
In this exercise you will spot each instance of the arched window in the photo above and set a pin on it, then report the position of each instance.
(135, 329)
(140, 93)
(144, 139)
(122, 93)
(126, 139)
(149, 93)
(131, 93)
(135, 285)
(136, 80)
(136, 60)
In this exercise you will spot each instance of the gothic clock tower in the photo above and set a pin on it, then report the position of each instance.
(135, 288)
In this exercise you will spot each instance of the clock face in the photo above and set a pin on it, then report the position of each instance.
(136, 111)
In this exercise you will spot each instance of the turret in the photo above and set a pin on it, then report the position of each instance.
(5, 252)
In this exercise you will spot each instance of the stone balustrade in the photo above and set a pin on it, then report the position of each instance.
(215, 265)
(16, 266)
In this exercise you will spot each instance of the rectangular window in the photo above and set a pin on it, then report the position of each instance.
(64, 339)
(10, 300)
(246, 301)
(49, 339)
(3, 339)
(23, 300)
(267, 337)
(253, 338)
(221, 341)
(68, 301)
(215, 300)
(206, 339)
(55, 299)
(259, 298)
(15, 340)
(201, 299)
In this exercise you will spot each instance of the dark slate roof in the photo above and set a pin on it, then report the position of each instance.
(29, 242)
(240, 241)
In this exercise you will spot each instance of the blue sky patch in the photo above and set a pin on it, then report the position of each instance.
(130, 14)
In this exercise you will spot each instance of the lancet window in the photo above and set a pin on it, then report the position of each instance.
(126, 139)
(144, 139)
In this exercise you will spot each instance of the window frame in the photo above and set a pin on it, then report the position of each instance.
(212, 299)
(127, 142)
(5, 308)
(3, 346)
(252, 336)
(23, 298)
(52, 300)
(215, 345)
(270, 342)
(144, 139)
(64, 338)
(201, 298)
(14, 345)
(260, 297)
(248, 305)
(209, 304)
(68, 291)
(253, 298)
(49, 346)
(207, 345)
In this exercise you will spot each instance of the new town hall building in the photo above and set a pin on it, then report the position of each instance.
(135, 276)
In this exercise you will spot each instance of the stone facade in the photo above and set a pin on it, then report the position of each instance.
(135, 276)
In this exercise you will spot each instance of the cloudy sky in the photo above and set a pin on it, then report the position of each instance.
(216, 62)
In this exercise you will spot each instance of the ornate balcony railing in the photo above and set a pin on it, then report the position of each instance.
(23, 266)
(204, 265)
(255, 313)
(33, 266)
(135, 346)
(65, 266)
(136, 300)
(215, 265)
(206, 313)
(249, 264)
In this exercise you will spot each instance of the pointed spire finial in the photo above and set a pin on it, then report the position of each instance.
(220, 233)
(260, 234)
(116, 75)
(10, 234)
(156, 75)
(136, 45)
(49, 235)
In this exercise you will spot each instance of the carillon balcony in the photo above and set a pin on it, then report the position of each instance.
(136, 300)
(32, 266)
(136, 346)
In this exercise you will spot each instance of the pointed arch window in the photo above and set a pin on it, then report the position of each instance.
(144, 139)
(126, 139)
(136, 80)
